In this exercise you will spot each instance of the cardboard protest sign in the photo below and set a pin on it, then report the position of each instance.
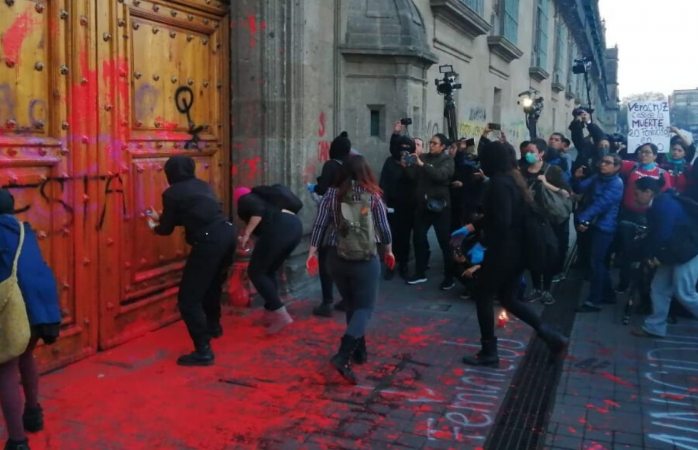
(648, 121)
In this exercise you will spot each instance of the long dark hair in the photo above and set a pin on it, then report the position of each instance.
(499, 158)
(357, 169)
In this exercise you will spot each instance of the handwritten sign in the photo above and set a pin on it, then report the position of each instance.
(648, 122)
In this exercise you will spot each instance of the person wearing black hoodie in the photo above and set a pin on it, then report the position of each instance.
(400, 198)
(330, 176)
(502, 227)
(190, 202)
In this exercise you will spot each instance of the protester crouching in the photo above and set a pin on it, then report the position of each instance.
(671, 247)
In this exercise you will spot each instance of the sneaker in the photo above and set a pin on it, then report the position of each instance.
(465, 295)
(533, 296)
(547, 298)
(417, 279)
(447, 284)
(201, 357)
(641, 332)
(323, 310)
(33, 418)
(559, 277)
(280, 319)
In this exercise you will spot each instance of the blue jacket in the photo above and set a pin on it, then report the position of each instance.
(604, 195)
(36, 279)
(663, 218)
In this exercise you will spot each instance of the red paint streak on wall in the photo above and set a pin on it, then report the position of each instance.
(14, 37)
(255, 28)
(323, 146)
(321, 132)
(85, 95)
(252, 168)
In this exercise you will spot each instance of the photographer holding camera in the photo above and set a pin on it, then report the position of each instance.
(589, 149)
(399, 193)
(432, 172)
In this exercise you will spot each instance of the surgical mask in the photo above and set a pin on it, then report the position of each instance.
(531, 158)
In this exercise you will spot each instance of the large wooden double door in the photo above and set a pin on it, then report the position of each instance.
(95, 95)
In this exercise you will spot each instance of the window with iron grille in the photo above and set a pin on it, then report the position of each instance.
(561, 63)
(540, 49)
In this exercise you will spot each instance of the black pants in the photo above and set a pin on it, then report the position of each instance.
(270, 251)
(505, 284)
(401, 224)
(627, 249)
(562, 236)
(326, 282)
(441, 222)
(199, 298)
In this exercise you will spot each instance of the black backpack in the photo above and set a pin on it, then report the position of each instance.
(539, 242)
(280, 196)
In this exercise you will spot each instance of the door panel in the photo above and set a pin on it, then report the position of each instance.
(36, 157)
(147, 52)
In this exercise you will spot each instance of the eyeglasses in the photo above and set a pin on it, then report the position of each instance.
(646, 152)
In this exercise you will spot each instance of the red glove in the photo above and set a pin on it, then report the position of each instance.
(312, 266)
(389, 260)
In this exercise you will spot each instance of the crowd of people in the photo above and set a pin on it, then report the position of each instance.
(480, 199)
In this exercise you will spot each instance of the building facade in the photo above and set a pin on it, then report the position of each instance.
(684, 110)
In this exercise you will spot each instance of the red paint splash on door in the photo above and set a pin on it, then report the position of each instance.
(15, 35)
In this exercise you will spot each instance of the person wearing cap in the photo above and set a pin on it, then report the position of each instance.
(39, 291)
(191, 203)
(332, 171)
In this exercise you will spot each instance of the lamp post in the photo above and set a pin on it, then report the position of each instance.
(532, 105)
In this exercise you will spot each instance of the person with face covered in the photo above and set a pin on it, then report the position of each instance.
(191, 203)
(502, 230)
(40, 294)
(678, 165)
(399, 197)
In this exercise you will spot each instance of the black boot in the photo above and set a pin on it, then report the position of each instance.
(360, 355)
(487, 356)
(342, 360)
(17, 445)
(557, 343)
(33, 419)
(324, 309)
(215, 330)
(202, 356)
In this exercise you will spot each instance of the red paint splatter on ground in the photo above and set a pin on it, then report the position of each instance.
(616, 379)
(15, 35)
(572, 430)
(582, 420)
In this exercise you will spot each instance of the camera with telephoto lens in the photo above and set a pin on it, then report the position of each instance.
(581, 65)
(410, 159)
(447, 84)
(406, 121)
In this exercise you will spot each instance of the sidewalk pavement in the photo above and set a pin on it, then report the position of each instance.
(616, 391)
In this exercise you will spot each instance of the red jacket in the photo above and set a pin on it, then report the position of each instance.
(633, 171)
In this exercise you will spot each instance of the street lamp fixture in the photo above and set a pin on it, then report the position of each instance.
(532, 104)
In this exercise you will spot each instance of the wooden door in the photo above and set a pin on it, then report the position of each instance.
(161, 72)
(47, 153)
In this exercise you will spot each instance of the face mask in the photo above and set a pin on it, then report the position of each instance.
(531, 158)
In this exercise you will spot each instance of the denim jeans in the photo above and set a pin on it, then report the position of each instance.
(672, 281)
(600, 288)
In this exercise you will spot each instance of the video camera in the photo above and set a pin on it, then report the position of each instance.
(581, 65)
(447, 84)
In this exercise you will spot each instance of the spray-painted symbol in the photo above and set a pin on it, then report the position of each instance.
(184, 99)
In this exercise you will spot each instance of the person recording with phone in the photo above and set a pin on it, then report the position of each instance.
(399, 194)
(589, 149)
(432, 173)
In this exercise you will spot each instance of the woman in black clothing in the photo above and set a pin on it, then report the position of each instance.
(192, 203)
(277, 232)
(504, 207)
